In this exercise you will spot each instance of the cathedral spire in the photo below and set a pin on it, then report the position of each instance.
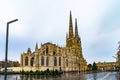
(66, 35)
(70, 26)
(76, 28)
(36, 47)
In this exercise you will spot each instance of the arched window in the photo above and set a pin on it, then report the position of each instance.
(54, 53)
(46, 49)
(42, 61)
(26, 61)
(43, 52)
(32, 61)
(59, 61)
(47, 61)
(55, 61)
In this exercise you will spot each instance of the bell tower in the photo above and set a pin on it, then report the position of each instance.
(73, 40)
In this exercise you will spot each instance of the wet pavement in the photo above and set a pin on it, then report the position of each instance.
(69, 76)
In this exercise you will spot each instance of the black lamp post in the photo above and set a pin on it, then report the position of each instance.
(6, 48)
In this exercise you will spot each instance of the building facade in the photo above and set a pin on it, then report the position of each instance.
(107, 66)
(51, 56)
(9, 64)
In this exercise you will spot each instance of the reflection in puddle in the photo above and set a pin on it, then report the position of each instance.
(68, 76)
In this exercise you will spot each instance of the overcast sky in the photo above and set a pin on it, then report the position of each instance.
(44, 21)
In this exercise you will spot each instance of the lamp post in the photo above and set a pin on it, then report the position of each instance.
(6, 48)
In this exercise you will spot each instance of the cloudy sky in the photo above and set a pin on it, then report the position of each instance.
(48, 20)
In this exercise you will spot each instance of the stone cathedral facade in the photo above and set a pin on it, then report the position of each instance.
(51, 56)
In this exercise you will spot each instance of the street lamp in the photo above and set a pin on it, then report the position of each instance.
(6, 48)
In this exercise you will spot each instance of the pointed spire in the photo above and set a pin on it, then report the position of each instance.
(36, 47)
(76, 28)
(66, 35)
(41, 44)
(70, 26)
(29, 51)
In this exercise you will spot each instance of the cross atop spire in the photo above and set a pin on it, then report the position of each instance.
(70, 26)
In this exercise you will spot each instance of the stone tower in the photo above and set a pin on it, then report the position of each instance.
(74, 47)
(73, 40)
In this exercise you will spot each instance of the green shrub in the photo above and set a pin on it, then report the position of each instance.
(46, 72)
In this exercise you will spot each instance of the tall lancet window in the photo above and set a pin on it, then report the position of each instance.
(59, 61)
(55, 61)
(46, 49)
(26, 61)
(42, 61)
(32, 61)
(47, 61)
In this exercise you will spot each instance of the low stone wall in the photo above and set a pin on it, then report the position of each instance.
(17, 69)
(27, 68)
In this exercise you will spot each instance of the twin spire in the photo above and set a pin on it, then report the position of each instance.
(76, 28)
(71, 27)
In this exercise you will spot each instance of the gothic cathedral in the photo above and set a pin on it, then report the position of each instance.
(51, 56)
